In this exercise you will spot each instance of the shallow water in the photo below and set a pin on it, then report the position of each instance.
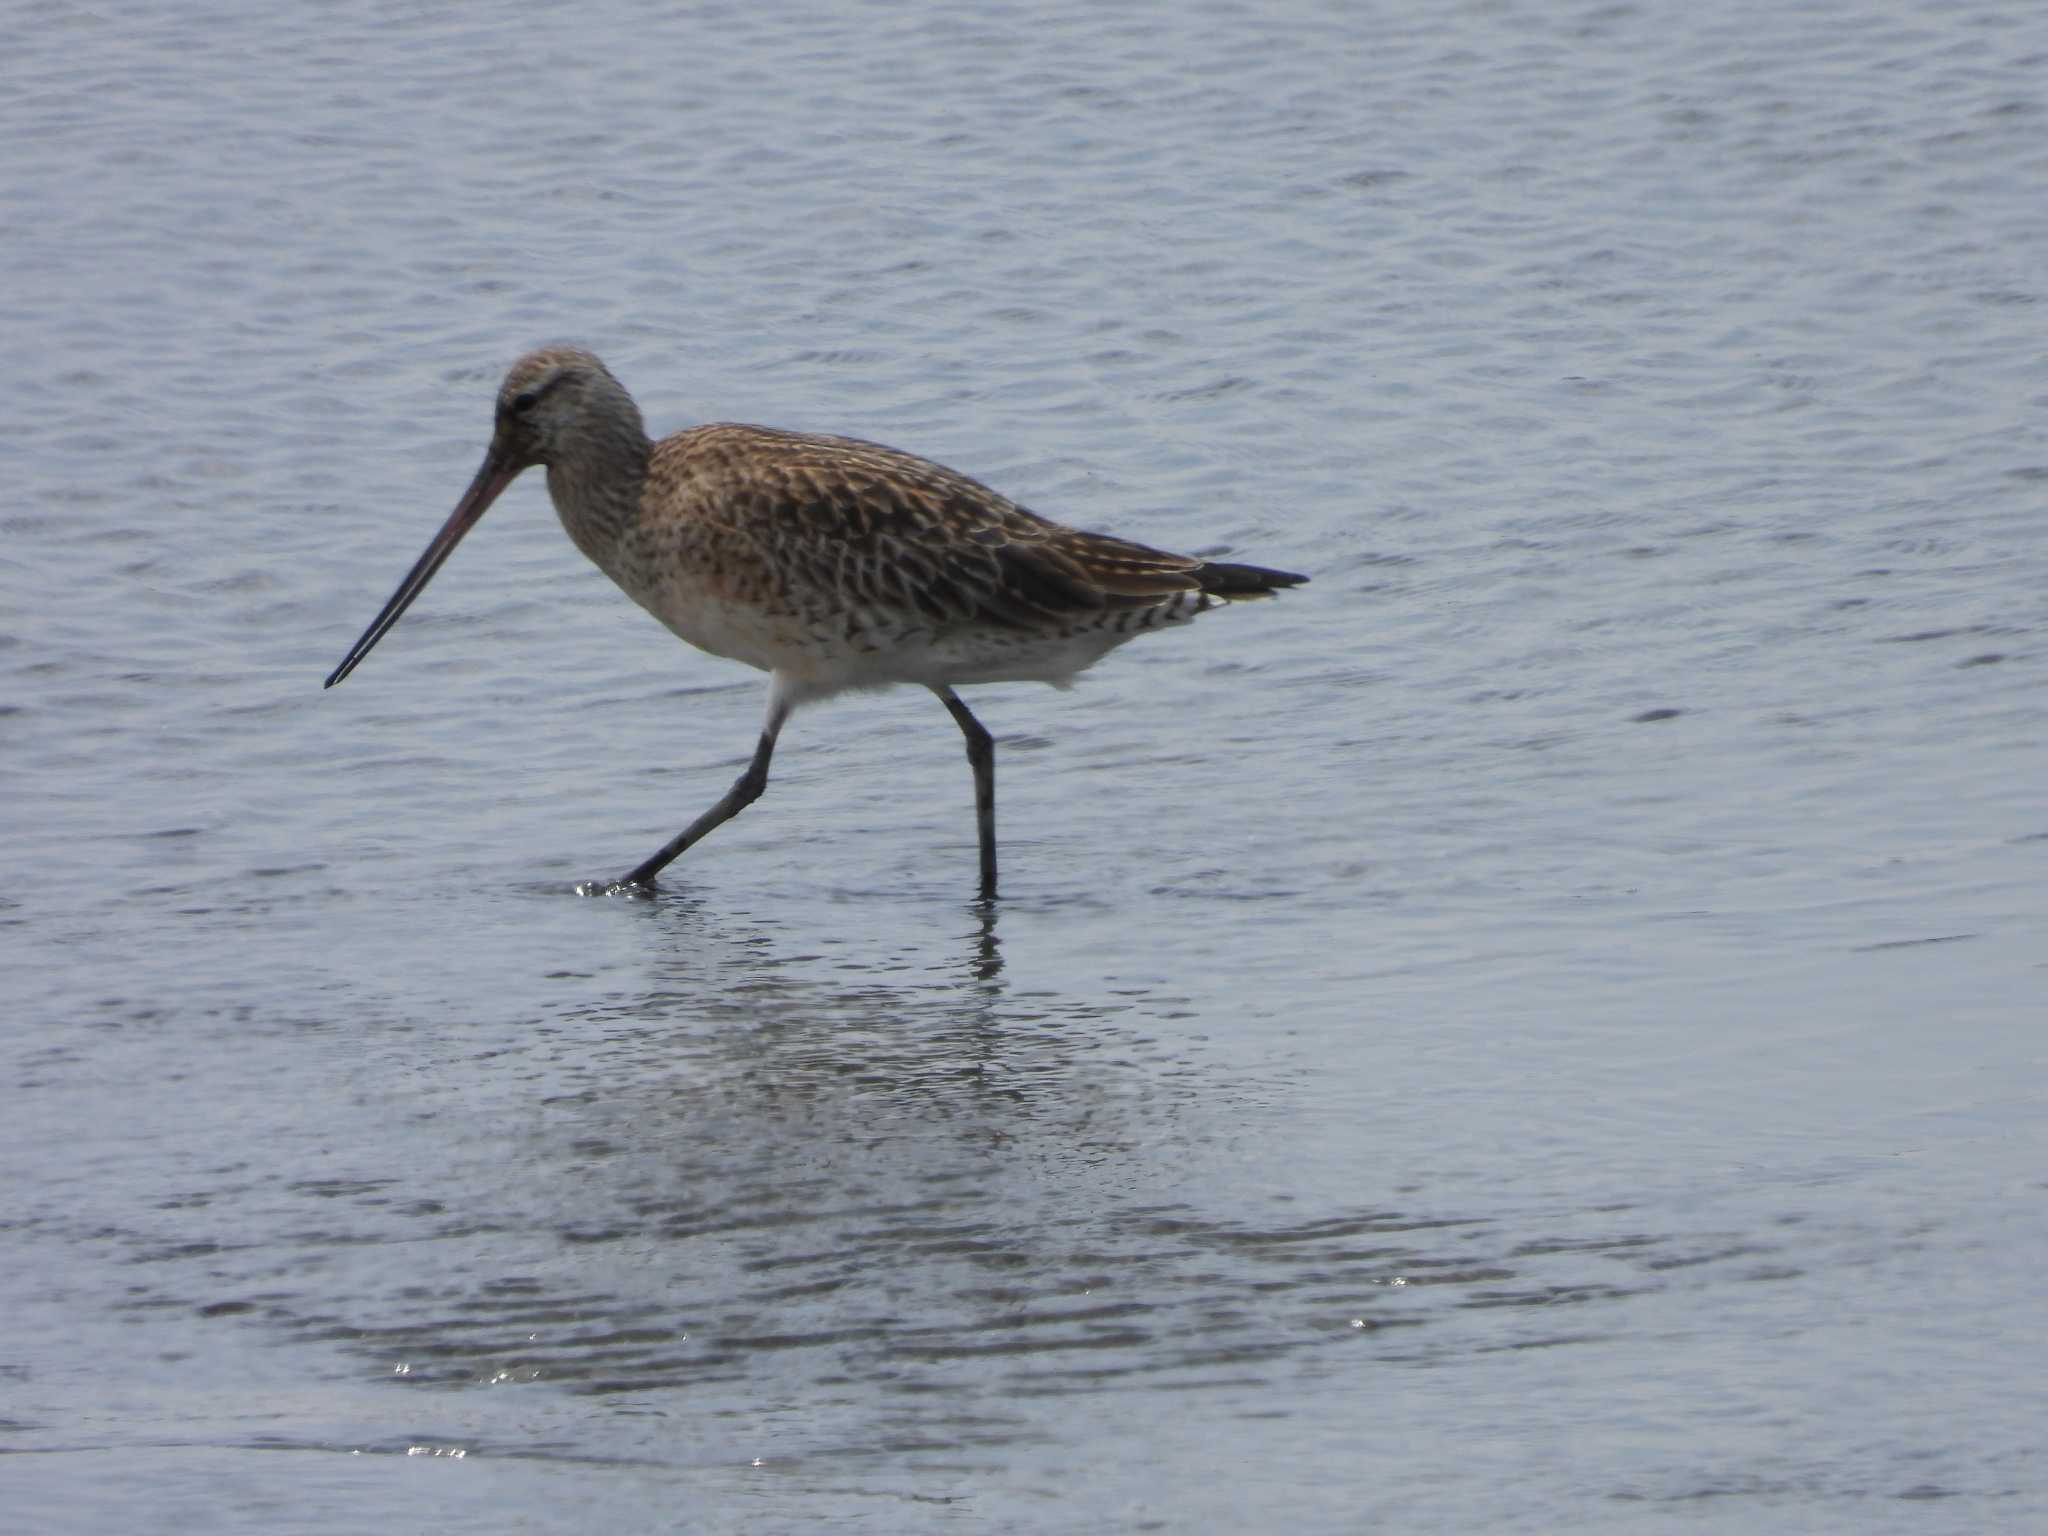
(1536, 1030)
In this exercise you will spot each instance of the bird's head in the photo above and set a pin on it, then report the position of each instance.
(555, 401)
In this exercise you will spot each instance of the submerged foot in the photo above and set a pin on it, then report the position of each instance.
(626, 886)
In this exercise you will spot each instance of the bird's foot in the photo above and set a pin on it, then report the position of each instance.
(625, 887)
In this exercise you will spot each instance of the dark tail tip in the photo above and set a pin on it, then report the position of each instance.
(1219, 578)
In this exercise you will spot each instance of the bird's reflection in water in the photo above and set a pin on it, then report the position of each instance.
(987, 963)
(876, 1178)
(749, 1029)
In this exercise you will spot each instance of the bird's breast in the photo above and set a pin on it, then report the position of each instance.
(710, 616)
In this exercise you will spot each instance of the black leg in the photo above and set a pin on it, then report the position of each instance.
(981, 753)
(746, 789)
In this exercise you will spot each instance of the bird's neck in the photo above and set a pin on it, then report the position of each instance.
(596, 487)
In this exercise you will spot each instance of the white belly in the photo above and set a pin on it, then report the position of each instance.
(821, 648)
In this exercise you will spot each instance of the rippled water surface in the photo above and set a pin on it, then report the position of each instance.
(1538, 1030)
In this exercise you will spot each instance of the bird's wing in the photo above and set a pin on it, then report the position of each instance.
(891, 530)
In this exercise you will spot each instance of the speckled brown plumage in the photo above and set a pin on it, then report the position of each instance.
(828, 562)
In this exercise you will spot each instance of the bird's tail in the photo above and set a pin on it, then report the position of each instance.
(1219, 578)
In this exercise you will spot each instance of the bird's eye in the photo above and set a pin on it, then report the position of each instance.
(523, 403)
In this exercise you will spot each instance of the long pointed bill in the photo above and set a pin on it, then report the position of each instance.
(495, 475)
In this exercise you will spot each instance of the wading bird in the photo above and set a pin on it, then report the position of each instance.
(826, 562)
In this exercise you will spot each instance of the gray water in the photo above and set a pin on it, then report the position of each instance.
(1538, 1030)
